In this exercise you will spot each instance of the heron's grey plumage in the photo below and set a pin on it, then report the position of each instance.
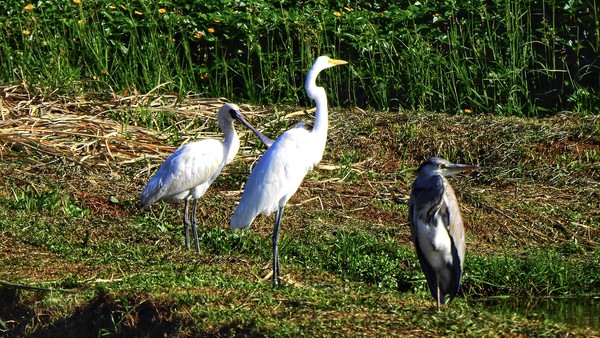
(437, 228)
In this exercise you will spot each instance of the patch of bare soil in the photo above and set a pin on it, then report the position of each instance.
(32, 263)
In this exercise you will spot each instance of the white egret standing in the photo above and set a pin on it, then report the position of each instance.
(281, 169)
(192, 168)
(437, 228)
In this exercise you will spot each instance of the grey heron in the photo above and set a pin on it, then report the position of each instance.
(437, 228)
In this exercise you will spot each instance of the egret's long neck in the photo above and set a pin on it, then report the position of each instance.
(320, 97)
(231, 143)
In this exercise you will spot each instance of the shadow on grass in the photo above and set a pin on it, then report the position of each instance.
(104, 316)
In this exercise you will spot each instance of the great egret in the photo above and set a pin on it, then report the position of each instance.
(437, 227)
(191, 169)
(281, 169)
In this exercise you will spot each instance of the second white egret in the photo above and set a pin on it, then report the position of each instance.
(280, 171)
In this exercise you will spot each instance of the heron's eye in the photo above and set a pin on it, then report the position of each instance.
(233, 113)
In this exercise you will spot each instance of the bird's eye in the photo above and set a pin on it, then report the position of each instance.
(233, 113)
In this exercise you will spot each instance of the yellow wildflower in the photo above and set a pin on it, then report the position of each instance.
(162, 11)
(211, 30)
(348, 9)
(467, 110)
(77, 1)
(29, 7)
(81, 22)
(198, 35)
(112, 7)
(138, 12)
(338, 14)
(26, 32)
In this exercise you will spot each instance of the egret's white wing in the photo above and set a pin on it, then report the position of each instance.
(276, 176)
(191, 165)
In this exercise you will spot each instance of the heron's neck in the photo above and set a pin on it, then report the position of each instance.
(321, 115)
(319, 131)
(320, 97)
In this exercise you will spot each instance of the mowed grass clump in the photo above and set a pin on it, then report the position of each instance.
(72, 227)
(526, 59)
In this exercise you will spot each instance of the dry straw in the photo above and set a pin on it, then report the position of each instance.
(81, 131)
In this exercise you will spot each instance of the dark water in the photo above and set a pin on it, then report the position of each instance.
(572, 311)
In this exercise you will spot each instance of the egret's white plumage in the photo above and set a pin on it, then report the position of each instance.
(280, 171)
(192, 168)
(437, 228)
(276, 177)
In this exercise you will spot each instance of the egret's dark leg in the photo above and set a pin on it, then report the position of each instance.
(186, 225)
(194, 227)
(275, 244)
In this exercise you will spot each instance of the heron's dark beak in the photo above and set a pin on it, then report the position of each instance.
(453, 168)
(466, 166)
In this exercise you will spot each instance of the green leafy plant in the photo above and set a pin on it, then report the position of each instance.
(527, 58)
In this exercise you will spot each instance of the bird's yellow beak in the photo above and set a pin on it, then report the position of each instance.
(337, 62)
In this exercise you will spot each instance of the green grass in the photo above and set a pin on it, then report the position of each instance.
(525, 59)
(110, 268)
(548, 272)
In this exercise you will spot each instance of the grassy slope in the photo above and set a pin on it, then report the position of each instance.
(531, 216)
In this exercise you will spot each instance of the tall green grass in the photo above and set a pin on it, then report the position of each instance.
(512, 58)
